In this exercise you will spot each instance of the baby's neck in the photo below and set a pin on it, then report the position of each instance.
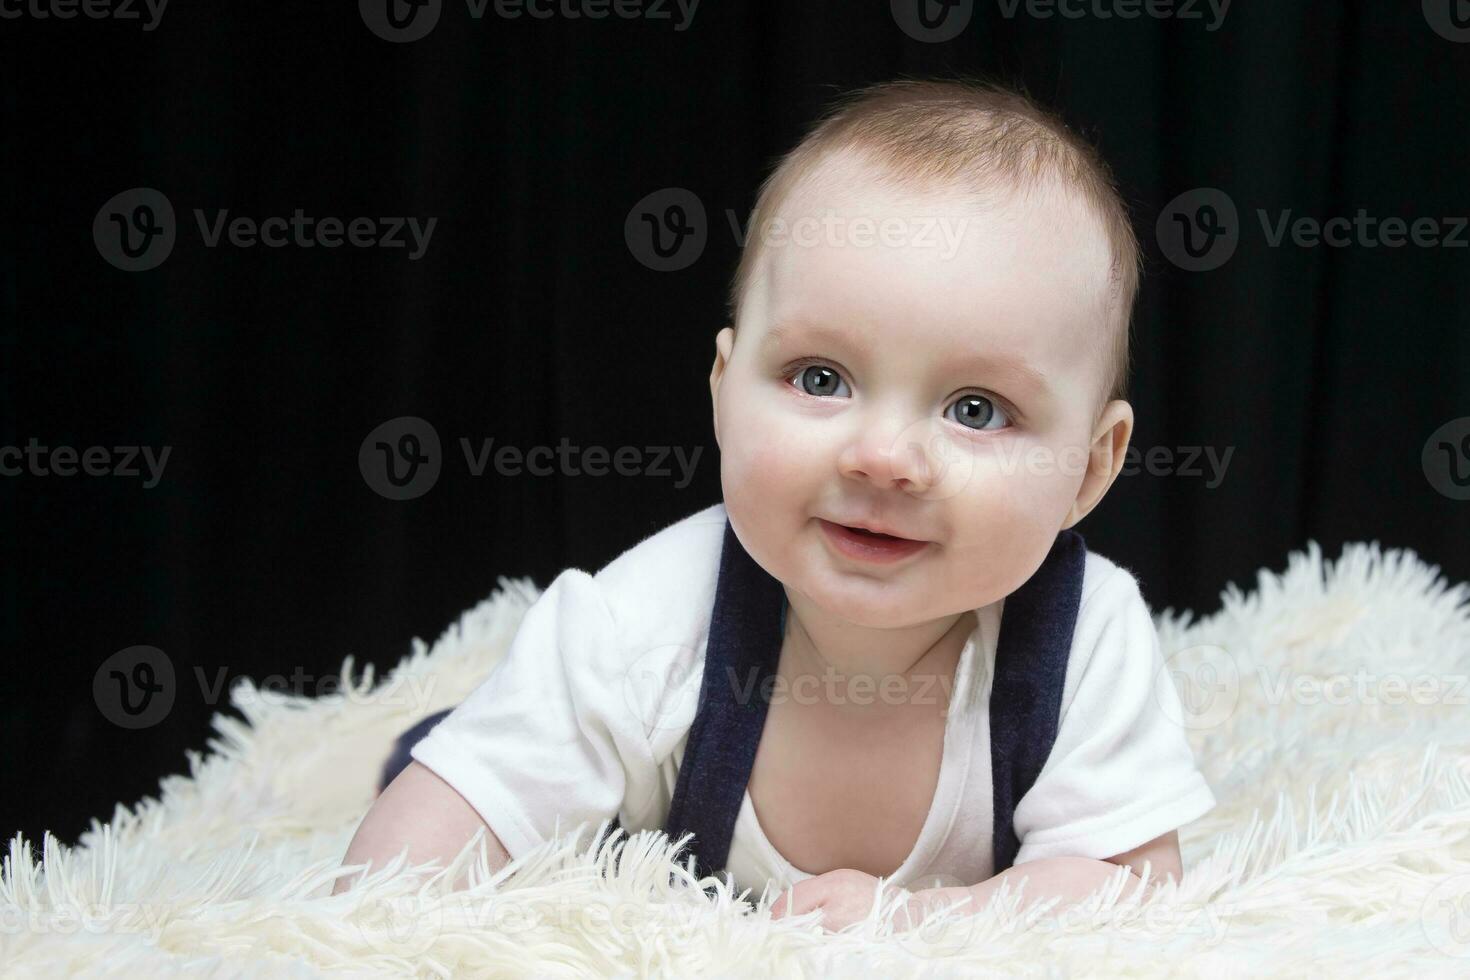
(827, 648)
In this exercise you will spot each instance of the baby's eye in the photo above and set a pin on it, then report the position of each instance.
(972, 411)
(977, 411)
(818, 379)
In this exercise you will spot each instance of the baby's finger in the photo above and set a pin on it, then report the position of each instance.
(795, 901)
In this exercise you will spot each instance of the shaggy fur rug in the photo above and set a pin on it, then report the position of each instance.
(1327, 709)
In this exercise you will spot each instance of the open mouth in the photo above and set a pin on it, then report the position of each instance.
(856, 542)
(873, 534)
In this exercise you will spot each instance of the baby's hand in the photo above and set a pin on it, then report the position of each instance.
(845, 896)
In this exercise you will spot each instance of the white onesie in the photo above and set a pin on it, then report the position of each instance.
(588, 714)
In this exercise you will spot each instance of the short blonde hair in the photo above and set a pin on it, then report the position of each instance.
(978, 134)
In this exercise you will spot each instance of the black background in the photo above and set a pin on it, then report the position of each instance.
(263, 550)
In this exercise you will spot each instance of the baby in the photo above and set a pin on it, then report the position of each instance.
(884, 654)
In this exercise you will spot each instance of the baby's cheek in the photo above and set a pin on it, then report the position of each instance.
(1032, 482)
(765, 478)
(1011, 515)
(766, 449)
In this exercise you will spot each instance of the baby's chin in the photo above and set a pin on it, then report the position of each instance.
(871, 601)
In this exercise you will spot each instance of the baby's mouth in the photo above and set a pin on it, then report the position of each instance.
(874, 534)
(867, 545)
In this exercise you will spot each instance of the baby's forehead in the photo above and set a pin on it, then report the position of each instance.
(1026, 268)
(857, 181)
(857, 202)
(852, 218)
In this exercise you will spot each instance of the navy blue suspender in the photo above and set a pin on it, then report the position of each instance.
(740, 659)
(744, 647)
(1031, 653)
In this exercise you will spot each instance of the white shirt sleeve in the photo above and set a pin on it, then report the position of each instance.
(1121, 771)
(546, 742)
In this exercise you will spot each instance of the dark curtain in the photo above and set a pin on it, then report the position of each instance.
(263, 550)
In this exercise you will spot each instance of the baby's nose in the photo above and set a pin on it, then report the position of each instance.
(891, 456)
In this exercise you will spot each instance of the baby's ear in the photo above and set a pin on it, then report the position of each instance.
(1105, 458)
(724, 345)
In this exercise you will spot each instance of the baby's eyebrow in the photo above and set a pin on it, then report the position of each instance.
(1012, 370)
(1002, 367)
(784, 332)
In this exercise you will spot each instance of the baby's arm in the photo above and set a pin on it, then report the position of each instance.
(544, 744)
(422, 811)
(846, 896)
(1070, 879)
(1075, 878)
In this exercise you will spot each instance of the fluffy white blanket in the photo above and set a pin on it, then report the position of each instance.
(1327, 709)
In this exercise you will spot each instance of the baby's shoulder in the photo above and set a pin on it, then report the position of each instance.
(660, 596)
(1106, 585)
(1114, 634)
(662, 589)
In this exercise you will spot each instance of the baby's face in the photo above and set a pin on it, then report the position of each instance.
(880, 381)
